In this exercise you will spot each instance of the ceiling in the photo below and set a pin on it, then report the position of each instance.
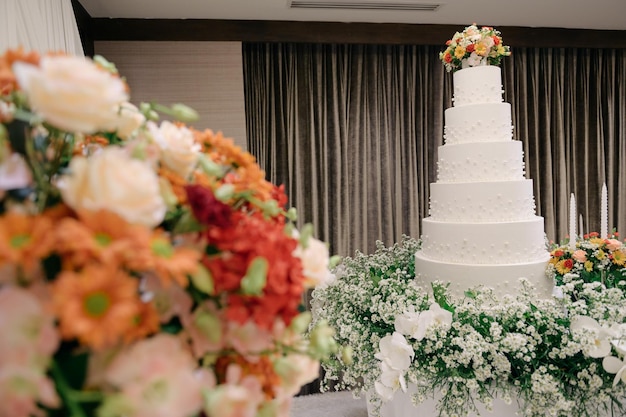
(575, 14)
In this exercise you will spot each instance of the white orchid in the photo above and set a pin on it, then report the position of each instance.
(395, 352)
(390, 381)
(616, 366)
(601, 345)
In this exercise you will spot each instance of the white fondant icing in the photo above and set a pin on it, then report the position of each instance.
(487, 122)
(475, 85)
(484, 243)
(482, 201)
(503, 279)
(482, 228)
(478, 162)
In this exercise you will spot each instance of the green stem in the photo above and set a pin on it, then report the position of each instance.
(66, 392)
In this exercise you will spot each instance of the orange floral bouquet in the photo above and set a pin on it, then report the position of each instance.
(146, 268)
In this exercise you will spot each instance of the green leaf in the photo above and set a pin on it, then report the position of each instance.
(256, 277)
(203, 280)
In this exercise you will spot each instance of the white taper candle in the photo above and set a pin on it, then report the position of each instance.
(572, 222)
(604, 213)
(581, 232)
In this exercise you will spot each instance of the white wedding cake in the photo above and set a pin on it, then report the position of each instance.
(482, 228)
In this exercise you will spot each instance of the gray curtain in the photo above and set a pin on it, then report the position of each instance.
(352, 131)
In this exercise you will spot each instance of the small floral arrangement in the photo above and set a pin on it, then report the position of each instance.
(146, 268)
(474, 47)
(559, 356)
(591, 259)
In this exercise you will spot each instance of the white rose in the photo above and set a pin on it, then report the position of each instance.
(179, 150)
(112, 180)
(395, 351)
(315, 261)
(72, 93)
(128, 120)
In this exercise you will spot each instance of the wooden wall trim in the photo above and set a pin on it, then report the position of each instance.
(85, 26)
(334, 32)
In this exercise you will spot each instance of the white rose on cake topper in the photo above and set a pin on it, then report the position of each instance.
(72, 93)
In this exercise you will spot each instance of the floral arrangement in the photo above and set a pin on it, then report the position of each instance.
(146, 268)
(592, 259)
(563, 356)
(473, 47)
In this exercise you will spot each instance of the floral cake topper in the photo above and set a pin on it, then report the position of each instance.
(473, 47)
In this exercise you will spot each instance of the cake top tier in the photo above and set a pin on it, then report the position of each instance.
(473, 47)
(477, 85)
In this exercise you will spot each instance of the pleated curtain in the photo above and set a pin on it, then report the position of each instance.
(352, 131)
(39, 25)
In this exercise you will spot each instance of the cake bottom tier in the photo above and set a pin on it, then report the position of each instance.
(402, 406)
(502, 278)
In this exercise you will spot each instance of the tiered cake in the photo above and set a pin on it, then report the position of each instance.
(482, 227)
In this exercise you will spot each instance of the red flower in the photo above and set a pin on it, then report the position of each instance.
(568, 263)
(594, 234)
(447, 57)
(496, 40)
(278, 194)
(558, 253)
(247, 238)
(207, 209)
(470, 48)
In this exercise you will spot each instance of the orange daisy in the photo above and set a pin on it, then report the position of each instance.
(98, 305)
(103, 236)
(25, 240)
(146, 322)
(173, 263)
(245, 174)
(8, 83)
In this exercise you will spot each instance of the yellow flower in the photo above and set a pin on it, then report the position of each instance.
(596, 241)
(619, 258)
(564, 266)
(588, 266)
(459, 52)
(481, 49)
(601, 254)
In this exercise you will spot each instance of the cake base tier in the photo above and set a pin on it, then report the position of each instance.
(503, 279)
(402, 406)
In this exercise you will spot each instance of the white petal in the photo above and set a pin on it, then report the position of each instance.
(582, 322)
(611, 364)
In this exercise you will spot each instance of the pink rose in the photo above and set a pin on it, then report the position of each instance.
(579, 255)
(613, 244)
(156, 377)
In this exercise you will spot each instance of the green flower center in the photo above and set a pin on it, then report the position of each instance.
(162, 248)
(19, 241)
(97, 304)
(103, 239)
